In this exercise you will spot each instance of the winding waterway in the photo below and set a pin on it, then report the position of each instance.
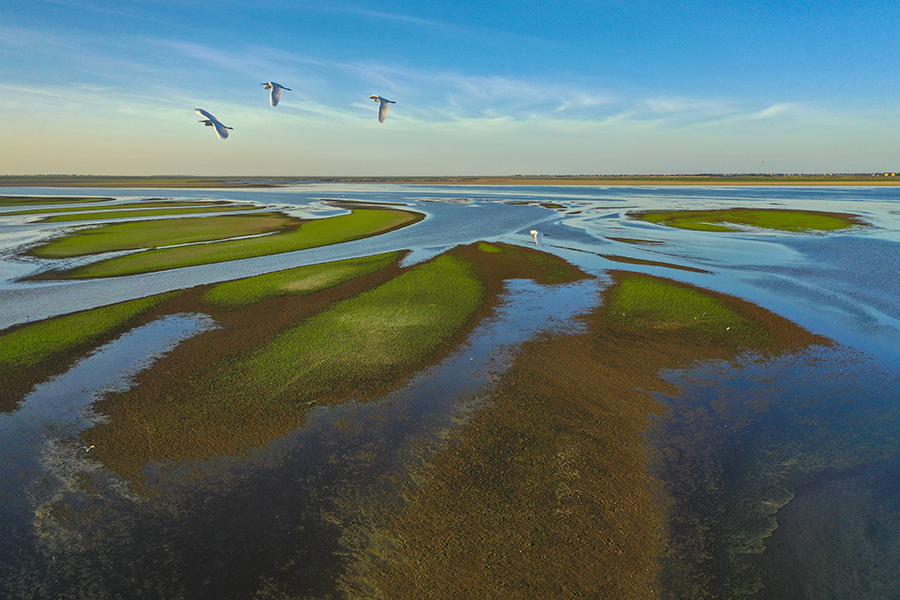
(806, 424)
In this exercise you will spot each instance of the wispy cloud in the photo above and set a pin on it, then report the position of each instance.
(455, 29)
(452, 96)
(678, 112)
(704, 107)
(334, 91)
(777, 110)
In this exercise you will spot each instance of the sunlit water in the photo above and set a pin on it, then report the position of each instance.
(804, 424)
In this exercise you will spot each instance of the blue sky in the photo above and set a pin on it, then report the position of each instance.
(481, 88)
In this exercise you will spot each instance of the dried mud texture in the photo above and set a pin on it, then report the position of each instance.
(547, 492)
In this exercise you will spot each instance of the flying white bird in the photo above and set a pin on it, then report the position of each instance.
(211, 121)
(538, 236)
(275, 94)
(383, 108)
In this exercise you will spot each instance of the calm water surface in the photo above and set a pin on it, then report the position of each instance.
(796, 434)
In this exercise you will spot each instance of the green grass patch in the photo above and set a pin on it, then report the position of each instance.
(319, 232)
(31, 345)
(147, 234)
(490, 248)
(734, 218)
(645, 304)
(301, 280)
(372, 335)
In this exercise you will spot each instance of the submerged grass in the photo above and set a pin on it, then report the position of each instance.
(301, 280)
(548, 492)
(543, 495)
(731, 219)
(319, 232)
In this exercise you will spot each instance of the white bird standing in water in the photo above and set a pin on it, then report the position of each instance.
(383, 108)
(275, 94)
(211, 121)
(538, 236)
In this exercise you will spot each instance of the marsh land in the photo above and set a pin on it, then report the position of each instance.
(385, 391)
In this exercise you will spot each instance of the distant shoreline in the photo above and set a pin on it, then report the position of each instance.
(101, 181)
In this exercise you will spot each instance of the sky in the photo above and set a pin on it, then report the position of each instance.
(481, 87)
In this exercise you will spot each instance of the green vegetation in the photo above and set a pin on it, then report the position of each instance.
(169, 232)
(365, 342)
(731, 219)
(368, 336)
(485, 247)
(645, 303)
(319, 232)
(30, 345)
(301, 280)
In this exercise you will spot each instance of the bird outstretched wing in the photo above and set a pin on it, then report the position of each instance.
(221, 130)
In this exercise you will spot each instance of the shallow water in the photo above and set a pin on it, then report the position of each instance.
(780, 437)
(805, 424)
(278, 494)
(41, 457)
(819, 281)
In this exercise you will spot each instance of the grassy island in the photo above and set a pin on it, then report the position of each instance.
(173, 243)
(733, 219)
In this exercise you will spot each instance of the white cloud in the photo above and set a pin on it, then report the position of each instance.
(777, 110)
